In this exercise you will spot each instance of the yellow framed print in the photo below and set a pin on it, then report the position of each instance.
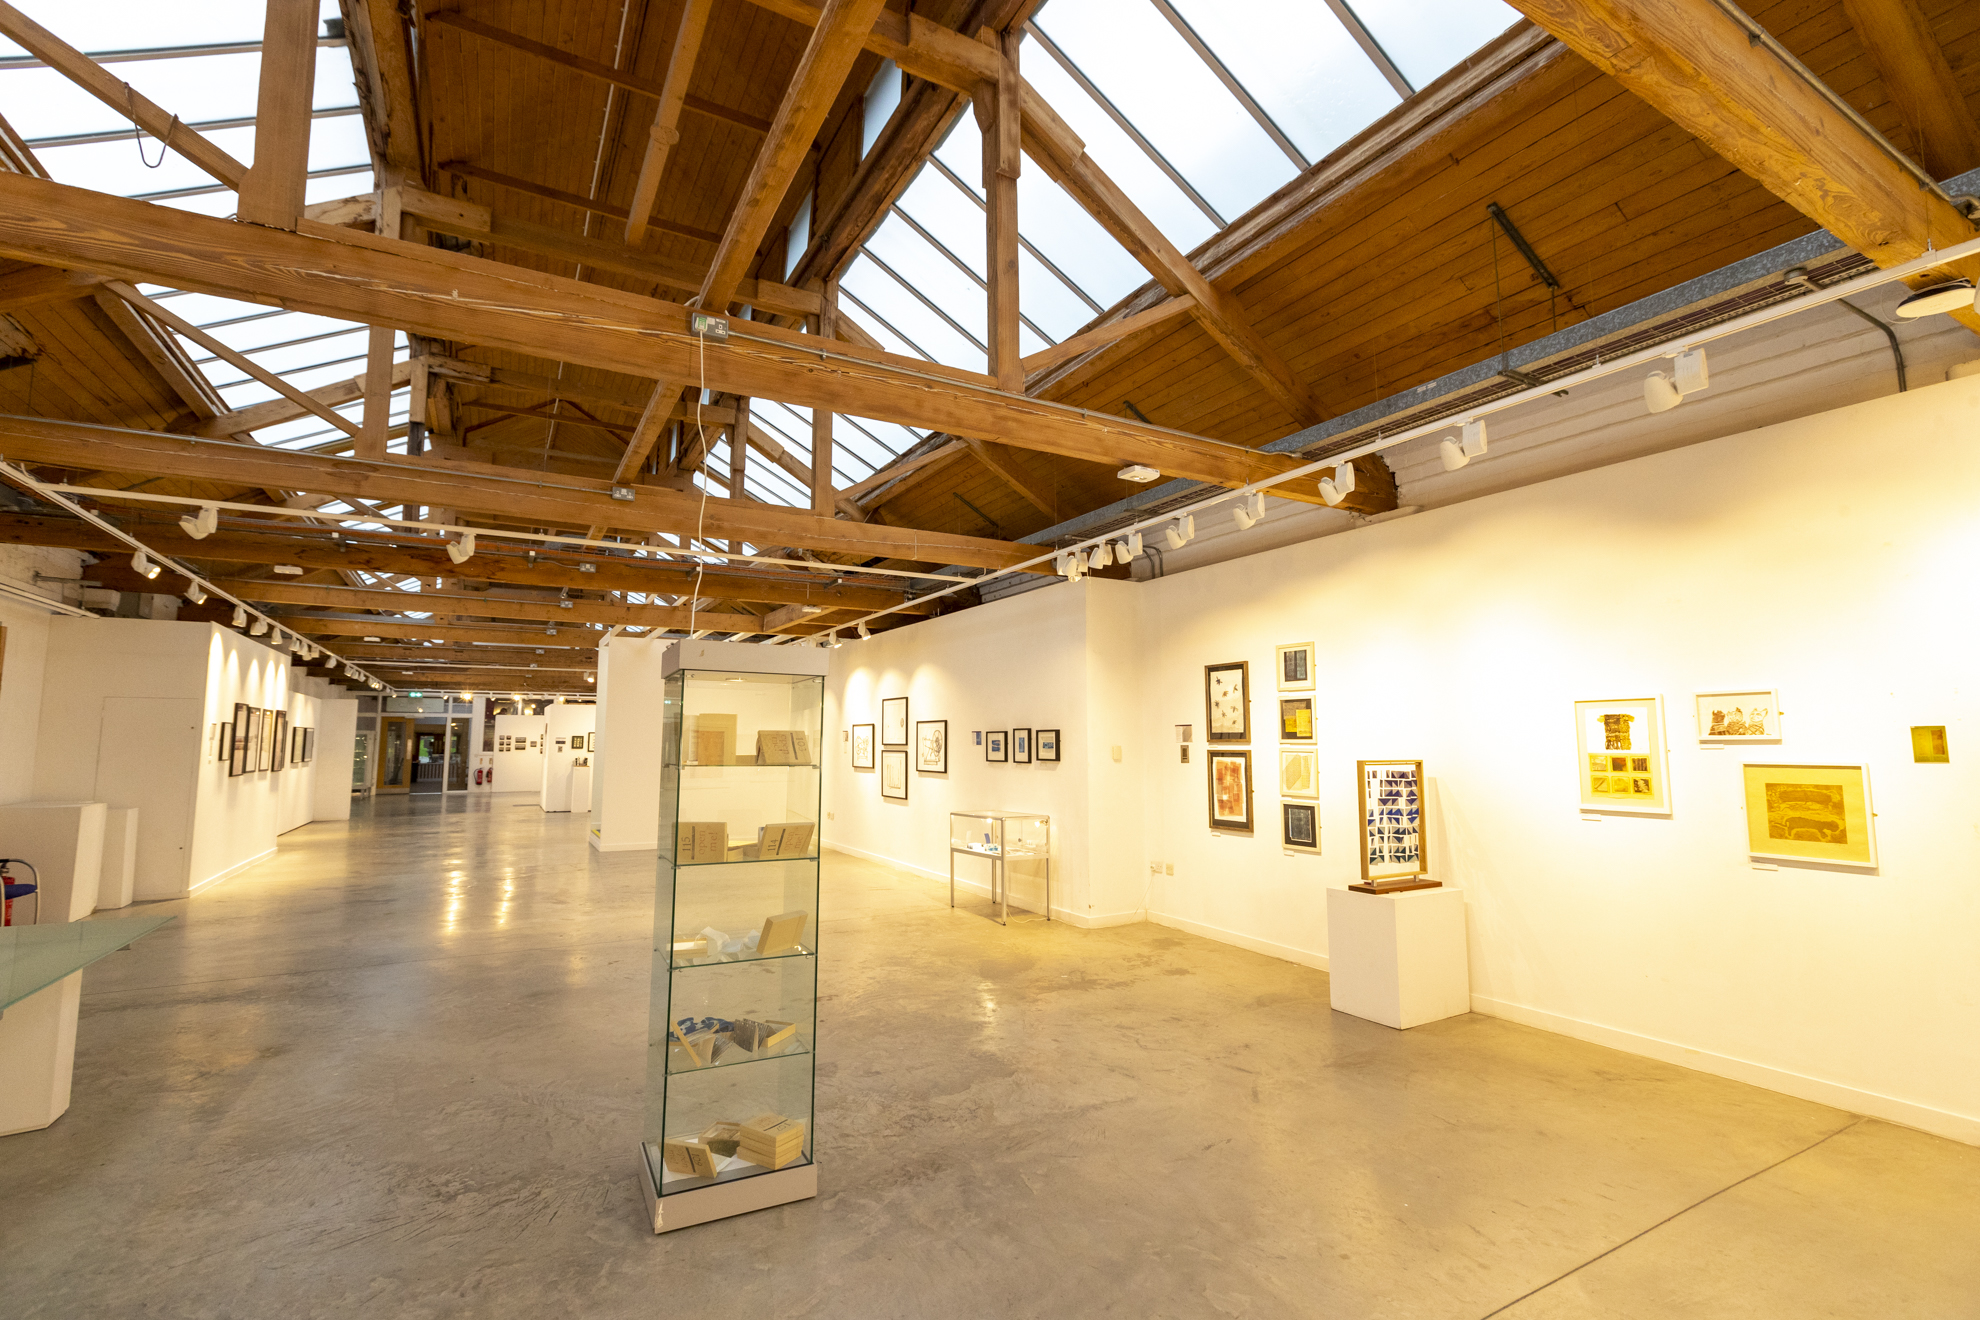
(1810, 813)
(1621, 758)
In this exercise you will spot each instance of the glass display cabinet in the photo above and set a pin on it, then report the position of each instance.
(735, 950)
(1001, 837)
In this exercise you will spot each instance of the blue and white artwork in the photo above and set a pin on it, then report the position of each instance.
(1392, 820)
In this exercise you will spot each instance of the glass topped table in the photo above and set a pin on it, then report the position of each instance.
(35, 957)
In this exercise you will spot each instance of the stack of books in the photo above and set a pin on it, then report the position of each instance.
(771, 1140)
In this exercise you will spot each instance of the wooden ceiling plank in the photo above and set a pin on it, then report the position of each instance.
(272, 192)
(38, 285)
(1108, 332)
(1717, 78)
(665, 130)
(1919, 78)
(1008, 469)
(165, 357)
(119, 95)
(381, 59)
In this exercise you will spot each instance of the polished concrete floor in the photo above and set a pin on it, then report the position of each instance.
(396, 1072)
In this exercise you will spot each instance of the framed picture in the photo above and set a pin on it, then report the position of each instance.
(577, 742)
(1730, 717)
(1296, 667)
(1300, 825)
(237, 740)
(266, 759)
(1045, 744)
(893, 774)
(993, 746)
(278, 746)
(295, 746)
(862, 746)
(893, 722)
(931, 747)
(1297, 774)
(1810, 813)
(309, 746)
(1392, 842)
(1227, 698)
(1295, 719)
(1928, 744)
(253, 749)
(1230, 790)
(224, 751)
(1622, 761)
(1021, 746)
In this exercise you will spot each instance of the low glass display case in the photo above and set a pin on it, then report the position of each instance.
(1001, 837)
(735, 963)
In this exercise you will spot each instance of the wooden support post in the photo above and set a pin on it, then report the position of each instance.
(823, 498)
(998, 115)
(739, 447)
(272, 193)
(377, 393)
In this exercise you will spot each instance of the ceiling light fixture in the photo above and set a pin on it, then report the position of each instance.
(1456, 453)
(1939, 299)
(1140, 472)
(1250, 512)
(1338, 487)
(1180, 532)
(195, 594)
(143, 565)
(864, 632)
(1689, 375)
(201, 525)
(259, 627)
(240, 616)
(462, 549)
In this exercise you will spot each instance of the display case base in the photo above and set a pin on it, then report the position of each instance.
(722, 1200)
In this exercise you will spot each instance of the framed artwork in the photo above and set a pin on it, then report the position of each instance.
(1300, 825)
(1230, 789)
(278, 746)
(1810, 813)
(893, 774)
(265, 758)
(1296, 667)
(237, 740)
(577, 742)
(1928, 744)
(1045, 744)
(993, 746)
(309, 746)
(862, 746)
(1729, 717)
(1622, 762)
(1392, 842)
(225, 751)
(1227, 698)
(295, 746)
(1298, 772)
(1021, 746)
(1295, 719)
(893, 722)
(253, 749)
(931, 747)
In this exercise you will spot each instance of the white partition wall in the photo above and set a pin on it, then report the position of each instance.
(625, 774)
(564, 722)
(518, 754)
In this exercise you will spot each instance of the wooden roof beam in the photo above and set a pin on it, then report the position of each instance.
(397, 625)
(1913, 65)
(119, 95)
(1100, 336)
(480, 605)
(381, 62)
(36, 285)
(272, 193)
(665, 130)
(1723, 80)
(285, 409)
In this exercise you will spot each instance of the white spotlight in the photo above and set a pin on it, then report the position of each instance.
(593, 678)
(240, 616)
(195, 594)
(1939, 298)
(331, 664)
(831, 640)
(1456, 454)
(462, 550)
(1172, 535)
(1250, 512)
(200, 525)
(1659, 395)
(260, 626)
(1134, 544)
(1103, 555)
(864, 632)
(143, 566)
(1338, 487)
(1692, 374)
(1689, 375)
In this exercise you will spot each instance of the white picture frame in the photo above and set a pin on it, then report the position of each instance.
(1622, 756)
(1293, 664)
(1729, 717)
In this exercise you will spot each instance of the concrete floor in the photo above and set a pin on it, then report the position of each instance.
(396, 1072)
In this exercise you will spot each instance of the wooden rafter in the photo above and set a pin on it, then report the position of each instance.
(276, 411)
(1913, 65)
(272, 193)
(665, 129)
(1108, 332)
(595, 205)
(478, 604)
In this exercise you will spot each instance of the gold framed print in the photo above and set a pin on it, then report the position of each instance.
(1295, 667)
(1230, 789)
(1227, 702)
(1810, 813)
(1392, 842)
(1299, 774)
(1622, 763)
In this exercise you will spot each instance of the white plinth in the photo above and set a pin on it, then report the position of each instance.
(1398, 959)
(63, 841)
(38, 1056)
(117, 884)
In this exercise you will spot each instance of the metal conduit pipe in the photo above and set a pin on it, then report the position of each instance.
(1799, 275)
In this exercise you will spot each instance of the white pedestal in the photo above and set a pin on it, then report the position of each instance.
(63, 841)
(117, 884)
(1398, 959)
(38, 1056)
(581, 790)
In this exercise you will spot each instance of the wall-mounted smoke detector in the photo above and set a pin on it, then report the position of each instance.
(1138, 472)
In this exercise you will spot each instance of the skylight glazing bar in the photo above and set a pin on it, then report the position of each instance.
(208, 126)
(1100, 99)
(170, 193)
(1371, 47)
(286, 343)
(1231, 83)
(1023, 242)
(963, 266)
(890, 327)
(927, 302)
(161, 53)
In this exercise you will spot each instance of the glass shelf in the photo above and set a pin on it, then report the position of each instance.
(738, 960)
(752, 861)
(32, 958)
(800, 1049)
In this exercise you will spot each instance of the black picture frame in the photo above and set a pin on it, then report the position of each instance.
(278, 749)
(894, 711)
(265, 757)
(253, 749)
(237, 741)
(889, 758)
(224, 750)
(1211, 677)
(1236, 765)
(923, 762)
(996, 745)
(866, 762)
(1299, 825)
(1045, 744)
(1021, 746)
(309, 746)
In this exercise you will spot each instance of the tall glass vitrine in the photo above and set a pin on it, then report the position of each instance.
(733, 1022)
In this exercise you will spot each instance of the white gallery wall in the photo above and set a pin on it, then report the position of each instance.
(1830, 558)
(625, 767)
(25, 657)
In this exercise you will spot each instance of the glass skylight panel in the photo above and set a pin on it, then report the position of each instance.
(940, 207)
(909, 318)
(1154, 79)
(937, 278)
(1300, 64)
(1427, 37)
